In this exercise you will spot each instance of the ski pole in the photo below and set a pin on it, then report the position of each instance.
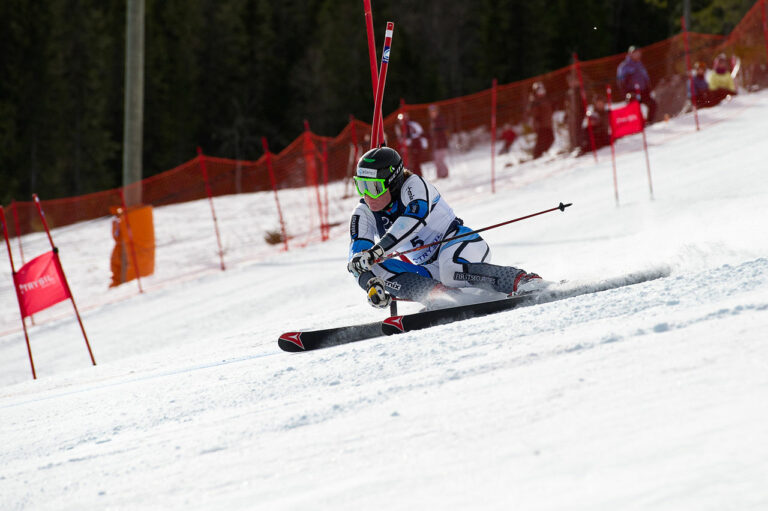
(560, 207)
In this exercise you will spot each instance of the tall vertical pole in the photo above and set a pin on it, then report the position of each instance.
(133, 116)
(494, 86)
(18, 293)
(17, 225)
(687, 13)
(690, 73)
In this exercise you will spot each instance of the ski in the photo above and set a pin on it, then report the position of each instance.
(426, 319)
(325, 338)
(316, 339)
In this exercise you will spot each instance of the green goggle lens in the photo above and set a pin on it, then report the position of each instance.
(373, 188)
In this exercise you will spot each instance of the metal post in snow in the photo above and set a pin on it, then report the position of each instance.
(63, 275)
(18, 293)
(204, 169)
(584, 104)
(690, 74)
(268, 156)
(378, 122)
(130, 240)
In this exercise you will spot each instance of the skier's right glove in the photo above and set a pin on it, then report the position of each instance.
(362, 261)
(377, 293)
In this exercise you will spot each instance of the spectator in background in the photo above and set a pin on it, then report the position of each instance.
(414, 140)
(599, 117)
(439, 133)
(634, 82)
(541, 119)
(720, 77)
(508, 137)
(701, 86)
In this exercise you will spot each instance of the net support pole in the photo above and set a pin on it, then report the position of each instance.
(63, 275)
(273, 181)
(494, 99)
(16, 288)
(209, 193)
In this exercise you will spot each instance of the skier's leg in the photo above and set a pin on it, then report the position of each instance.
(412, 282)
(466, 262)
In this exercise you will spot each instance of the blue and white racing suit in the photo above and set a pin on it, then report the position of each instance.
(419, 216)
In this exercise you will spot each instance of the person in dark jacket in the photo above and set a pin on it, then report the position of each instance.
(634, 82)
(541, 117)
(439, 134)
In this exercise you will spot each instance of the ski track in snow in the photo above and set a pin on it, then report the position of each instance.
(650, 396)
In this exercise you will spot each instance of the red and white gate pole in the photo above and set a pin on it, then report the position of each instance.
(63, 275)
(377, 129)
(18, 295)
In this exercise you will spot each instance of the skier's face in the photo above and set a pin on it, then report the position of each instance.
(379, 203)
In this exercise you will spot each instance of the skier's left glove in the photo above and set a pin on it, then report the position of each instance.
(377, 293)
(363, 261)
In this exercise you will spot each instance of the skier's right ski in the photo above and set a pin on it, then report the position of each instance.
(430, 318)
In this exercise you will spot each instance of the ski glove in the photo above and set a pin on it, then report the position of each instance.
(363, 261)
(377, 294)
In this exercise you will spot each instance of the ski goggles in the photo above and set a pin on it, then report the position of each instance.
(372, 187)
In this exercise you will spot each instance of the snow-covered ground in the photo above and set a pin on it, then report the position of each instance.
(653, 396)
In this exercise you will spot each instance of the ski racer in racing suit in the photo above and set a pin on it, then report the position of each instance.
(404, 211)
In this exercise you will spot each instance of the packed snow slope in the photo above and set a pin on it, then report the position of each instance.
(653, 396)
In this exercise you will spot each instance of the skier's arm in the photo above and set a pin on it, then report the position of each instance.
(417, 211)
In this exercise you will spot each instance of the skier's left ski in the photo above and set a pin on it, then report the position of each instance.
(316, 339)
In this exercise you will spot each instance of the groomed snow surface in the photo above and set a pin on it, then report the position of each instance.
(653, 396)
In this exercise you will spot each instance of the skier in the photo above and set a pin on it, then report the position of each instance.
(404, 211)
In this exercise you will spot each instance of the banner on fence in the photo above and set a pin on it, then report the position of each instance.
(40, 284)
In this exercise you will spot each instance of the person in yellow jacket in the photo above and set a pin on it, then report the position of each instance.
(721, 76)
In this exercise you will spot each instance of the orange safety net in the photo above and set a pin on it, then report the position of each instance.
(314, 169)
